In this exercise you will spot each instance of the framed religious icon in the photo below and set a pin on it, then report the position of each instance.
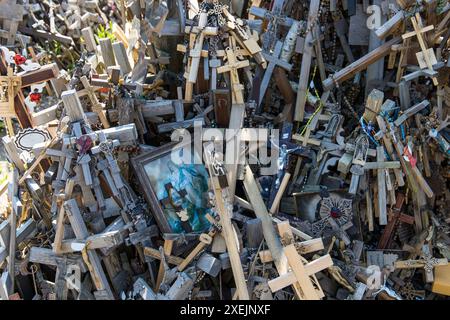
(176, 188)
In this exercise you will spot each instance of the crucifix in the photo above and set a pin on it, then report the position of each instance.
(358, 162)
(232, 66)
(274, 61)
(426, 261)
(426, 57)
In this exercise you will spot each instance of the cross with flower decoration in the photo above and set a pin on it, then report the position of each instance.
(12, 100)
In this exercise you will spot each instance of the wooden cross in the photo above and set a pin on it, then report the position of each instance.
(272, 239)
(89, 256)
(426, 261)
(302, 272)
(11, 84)
(358, 161)
(389, 147)
(395, 217)
(232, 67)
(426, 58)
(274, 61)
(97, 107)
(196, 48)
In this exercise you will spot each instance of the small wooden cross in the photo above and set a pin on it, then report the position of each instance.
(232, 67)
(426, 261)
(97, 107)
(427, 57)
(195, 53)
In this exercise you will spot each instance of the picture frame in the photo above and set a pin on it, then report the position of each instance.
(178, 194)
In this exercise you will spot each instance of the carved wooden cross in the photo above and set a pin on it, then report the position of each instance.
(426, 261)
(274, 61)
(232, 67)
(427, 57)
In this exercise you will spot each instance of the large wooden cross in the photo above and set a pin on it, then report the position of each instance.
(302, 272)
(89, 256)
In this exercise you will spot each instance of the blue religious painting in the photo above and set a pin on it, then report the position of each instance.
(182, 191)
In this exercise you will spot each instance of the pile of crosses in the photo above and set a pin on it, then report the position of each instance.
(202, 150)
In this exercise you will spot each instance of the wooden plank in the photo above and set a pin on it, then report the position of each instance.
(72, 105)
(228, 231)
(301, 275)
(381, 178)
(306, 62)
(360, 64)
(89, 40)
(107, 52)
(121, 57)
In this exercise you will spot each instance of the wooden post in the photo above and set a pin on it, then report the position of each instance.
(228, 232)
(381, 188)
(360, 64)
(306, 62)
(107, 52)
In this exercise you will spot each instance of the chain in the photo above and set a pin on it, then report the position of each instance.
(348, 105)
